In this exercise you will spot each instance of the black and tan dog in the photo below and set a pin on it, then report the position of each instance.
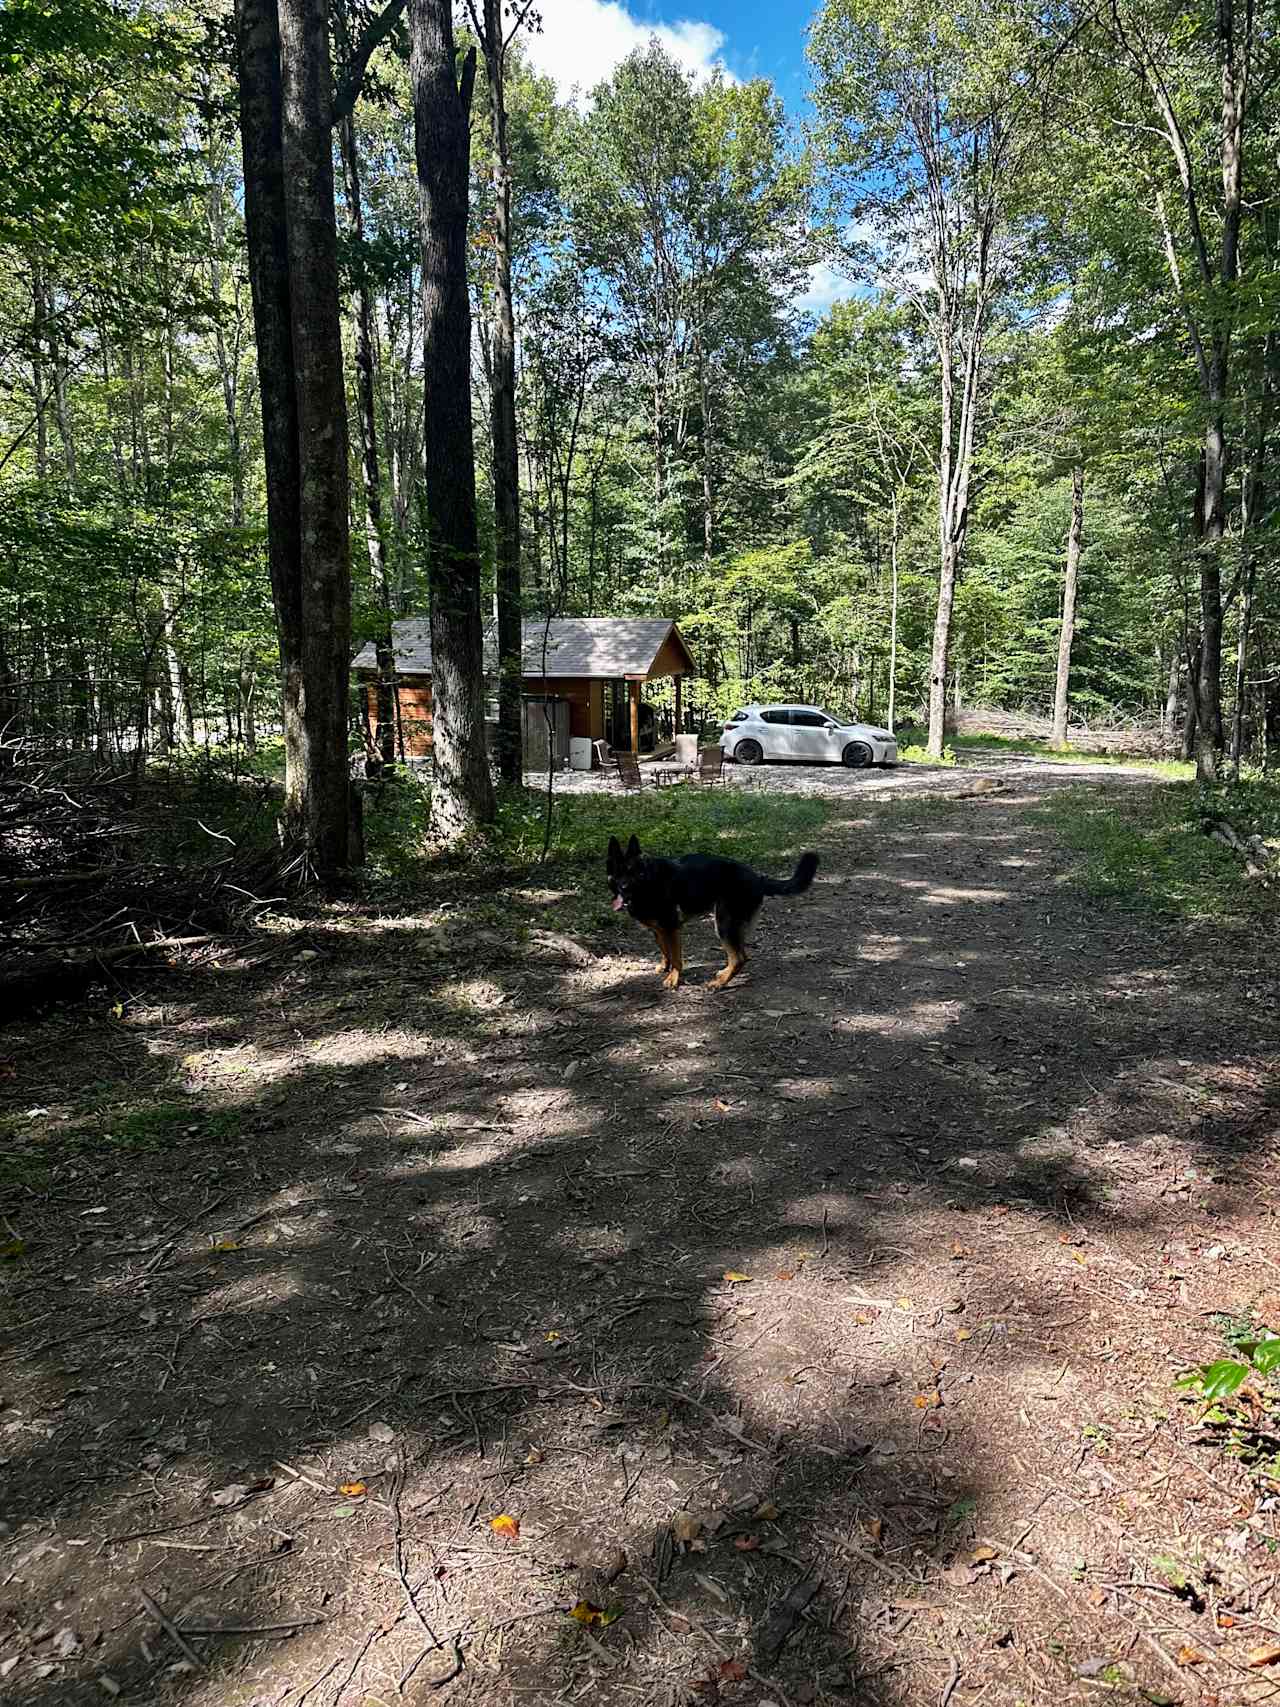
(663, 893)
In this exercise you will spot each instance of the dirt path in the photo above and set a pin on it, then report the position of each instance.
(879, 1265)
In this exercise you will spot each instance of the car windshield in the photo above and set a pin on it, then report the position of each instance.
(840, 717)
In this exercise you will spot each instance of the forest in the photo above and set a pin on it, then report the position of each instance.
(411, 1291)
(1057, 229)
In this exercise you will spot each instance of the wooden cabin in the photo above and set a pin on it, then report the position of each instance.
(588, 671)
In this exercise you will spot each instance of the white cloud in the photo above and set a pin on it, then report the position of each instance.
(827, 285)
(582, 40)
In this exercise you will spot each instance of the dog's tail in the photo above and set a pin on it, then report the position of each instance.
(800, 880)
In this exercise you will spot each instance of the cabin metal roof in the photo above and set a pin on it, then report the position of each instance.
(601, 647)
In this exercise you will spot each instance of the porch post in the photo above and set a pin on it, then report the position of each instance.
(679, 682)
(635, 718)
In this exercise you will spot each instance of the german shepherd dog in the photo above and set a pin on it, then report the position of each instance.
(662, 893)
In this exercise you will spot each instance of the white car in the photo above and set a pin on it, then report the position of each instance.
(806, 733)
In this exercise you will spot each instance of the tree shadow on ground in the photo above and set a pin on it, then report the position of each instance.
(500, 1236)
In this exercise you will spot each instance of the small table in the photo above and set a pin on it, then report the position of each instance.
(663, 774)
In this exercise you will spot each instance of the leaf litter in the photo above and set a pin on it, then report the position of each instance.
(848, 1484)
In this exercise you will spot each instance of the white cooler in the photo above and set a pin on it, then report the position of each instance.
(580, 755)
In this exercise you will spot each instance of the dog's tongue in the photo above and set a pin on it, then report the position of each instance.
(618, 903)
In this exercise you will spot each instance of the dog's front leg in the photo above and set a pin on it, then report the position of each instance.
(675, 952)
(664, 964)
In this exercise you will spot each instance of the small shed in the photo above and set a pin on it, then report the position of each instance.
(594, 665)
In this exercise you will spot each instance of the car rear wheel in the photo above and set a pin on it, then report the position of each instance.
(748, 752)
(856, 756)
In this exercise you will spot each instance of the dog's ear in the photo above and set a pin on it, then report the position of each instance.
(613, 859)
(633, 848)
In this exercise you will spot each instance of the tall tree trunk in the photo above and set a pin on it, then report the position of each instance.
(375, 524)
(246, 685)
(955, 467)
(320, 387)
(39, 358)
(1189, 714)
(893, 618)
(285, 94)
(1171, 691)
(502, 394)
(708, 487)
(61, 409)
(1209, 740)
(938, 657)
(1066, 634)
(258, 44)
(1242, 652)
(227, 369)
(462, 795)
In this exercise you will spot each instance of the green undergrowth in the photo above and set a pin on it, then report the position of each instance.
(1146, 848)
(1238, 1396)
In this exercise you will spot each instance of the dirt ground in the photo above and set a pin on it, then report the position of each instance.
(822, 1332)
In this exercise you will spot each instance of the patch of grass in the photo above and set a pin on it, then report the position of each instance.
(31, 1149)
(1175, 769)
(764, 829)
(1147, 849)
(913, 755)
(761, 828)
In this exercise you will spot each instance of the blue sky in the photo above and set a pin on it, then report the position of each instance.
(582, 40)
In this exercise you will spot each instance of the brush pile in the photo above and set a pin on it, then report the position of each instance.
(95, 869)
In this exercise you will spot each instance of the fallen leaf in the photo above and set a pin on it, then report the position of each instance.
(731, 1671)
(875, 1527)
(928, 1401)
(1264, 1656)
(12, 1248)
(353, 1490)
(960, 1251)
(230, 1495)
(505, 1527)
(1191, 1656)
(344, 1511)
(784, 1274)
(746, 1543)
(587, 1613)
(224, 1245)
(1226, 1621)
(768, 1512)
(963, 1334)
(551, 1335)
(382, 1432)
(735, 1279)
(1097, 1597)
(864, 1318)
(66, 1644)
(980, 1555)
(905, 1304)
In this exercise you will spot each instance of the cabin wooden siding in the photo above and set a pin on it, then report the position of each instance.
(415, 714)
(585, 697)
